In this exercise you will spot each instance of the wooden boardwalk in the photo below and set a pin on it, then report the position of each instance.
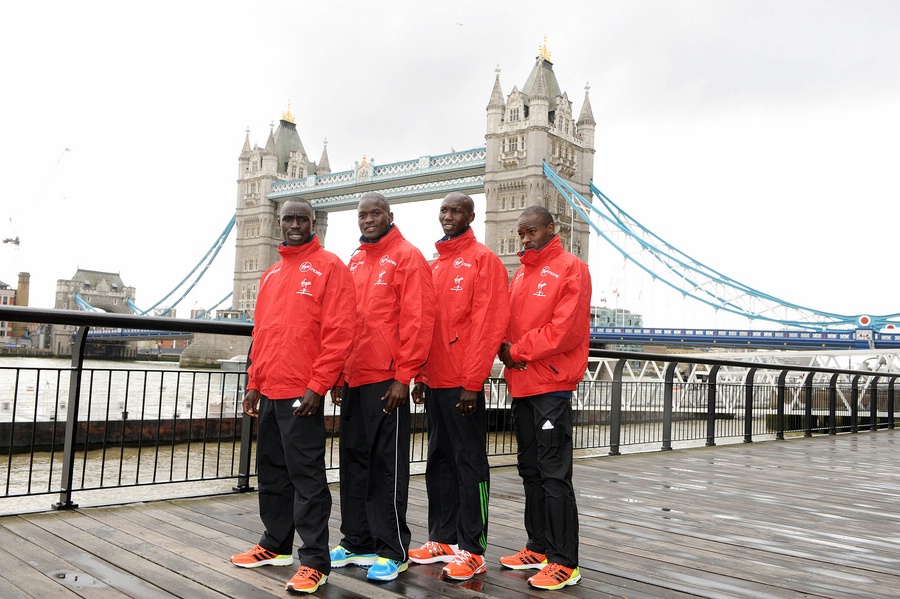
(815, 517)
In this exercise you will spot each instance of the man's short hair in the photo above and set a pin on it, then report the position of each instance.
(301, 200)
(374, 195)
(544, 216)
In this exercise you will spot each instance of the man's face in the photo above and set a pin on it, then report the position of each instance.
(454, 216)
(297, 223)
(533, 234)
(374, 218)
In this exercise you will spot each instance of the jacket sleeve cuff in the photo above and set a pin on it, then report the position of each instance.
(514, 354)
(477, 386)
(316, 387)
(405, 376)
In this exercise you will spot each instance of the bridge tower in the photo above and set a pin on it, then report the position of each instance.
(258, 232)
(103, 290)
(532, 126)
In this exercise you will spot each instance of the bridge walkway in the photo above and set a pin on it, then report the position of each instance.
(810, 517)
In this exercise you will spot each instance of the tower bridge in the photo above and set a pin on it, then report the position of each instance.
(531, 126)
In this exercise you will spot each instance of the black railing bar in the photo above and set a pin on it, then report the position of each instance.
(699, 359)
(110, 320)
(65, 494)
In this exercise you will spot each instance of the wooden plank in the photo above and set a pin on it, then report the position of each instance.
(126, 568)
(26, 569)
(47, 555)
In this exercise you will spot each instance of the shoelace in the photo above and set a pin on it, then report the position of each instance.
(557, 572)
(307, 572)
(464, 556)
(528, 557)
(263, 553)
(435, 549)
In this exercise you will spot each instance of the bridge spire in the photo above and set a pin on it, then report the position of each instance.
(324, 167)
(287, 117)
(543, 52)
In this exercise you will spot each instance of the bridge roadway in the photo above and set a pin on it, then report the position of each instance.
(805, 517)
(783, 339)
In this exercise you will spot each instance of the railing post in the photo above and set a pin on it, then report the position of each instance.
(711, 400)
(243, 481)
(854, 404)
(615, 408)
(832, 404)
(68, 469)
(667, 406)
(890, 403)
(247, 439)
(808, 401)
(779, 406)
(748, 406)
(873, 404)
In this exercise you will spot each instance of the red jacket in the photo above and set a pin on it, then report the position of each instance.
(396, 311)
(471, 287)
(303, 324)
(549, 326)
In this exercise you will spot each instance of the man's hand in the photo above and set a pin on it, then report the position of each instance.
(396, 395)
(336, 395)
(309, 404)
(467, 401)
(507, 360)
(418, 393)
(251, 403)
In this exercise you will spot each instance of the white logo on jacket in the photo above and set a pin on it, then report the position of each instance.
(460, 262)
(386, 260)
(540, 291)
(270, 274)
(546, 271)
(379, 281)
(304, 284)
(457, 287)
(308, 267)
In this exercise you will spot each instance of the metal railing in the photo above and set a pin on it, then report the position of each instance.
(88, 428)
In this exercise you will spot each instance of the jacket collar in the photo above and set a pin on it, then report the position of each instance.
(451, 245)
(290, 251)
(552, 249)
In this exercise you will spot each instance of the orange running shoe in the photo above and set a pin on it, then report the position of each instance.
(259, 556)
(464, 566)
(432, 552)
(554, 576)
(525, 560)
(306, 580)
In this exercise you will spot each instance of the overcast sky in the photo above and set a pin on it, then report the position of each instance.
(759, 137)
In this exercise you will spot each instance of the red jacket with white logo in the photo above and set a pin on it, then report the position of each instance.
(303, 324)
(396, 311)
(471, 287)
(549, 325)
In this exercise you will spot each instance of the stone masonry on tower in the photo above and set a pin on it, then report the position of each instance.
(258, 231)
(532, 126)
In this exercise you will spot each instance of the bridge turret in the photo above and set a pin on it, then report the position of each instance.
(586, 127)
(324, 166)
(270, 154)
(496, 106)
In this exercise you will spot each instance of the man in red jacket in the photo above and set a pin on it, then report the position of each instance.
(545, 355)
(471, 287)
(304, 323)
(396, 319)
